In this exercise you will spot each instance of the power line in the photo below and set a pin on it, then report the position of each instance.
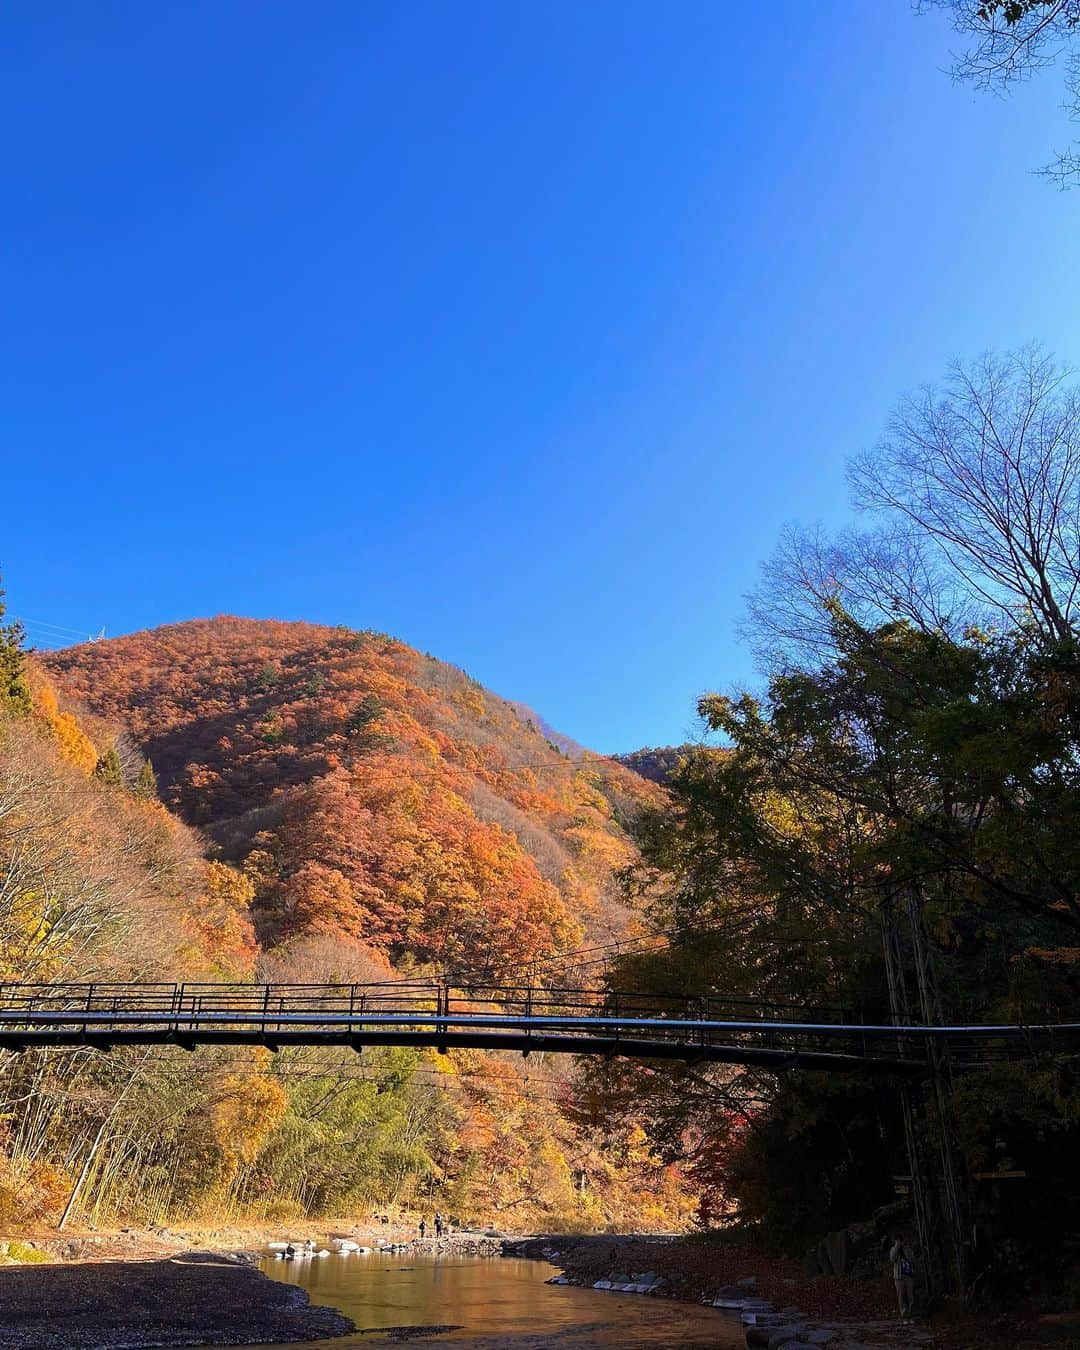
(43, 633)
(57, 627)
(38, 645)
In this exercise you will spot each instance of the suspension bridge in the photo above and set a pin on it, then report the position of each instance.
(523, 1019)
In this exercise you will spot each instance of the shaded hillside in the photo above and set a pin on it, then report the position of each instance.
(658, 763)
(369, 790)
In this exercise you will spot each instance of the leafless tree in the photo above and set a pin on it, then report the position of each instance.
(1011, 40)
(877, 574)
(973, 507)
(986, 471)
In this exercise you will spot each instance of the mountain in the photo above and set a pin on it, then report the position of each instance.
(658, 763)
(371, 794)
(380, 807)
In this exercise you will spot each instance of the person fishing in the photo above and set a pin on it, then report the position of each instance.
(423, 1229)
(438, 1225)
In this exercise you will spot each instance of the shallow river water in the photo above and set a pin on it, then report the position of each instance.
(498, 1304)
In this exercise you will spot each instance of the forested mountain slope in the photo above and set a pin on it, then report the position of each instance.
(383, 807)
(656, 763)
(98, 882)
(370, 791)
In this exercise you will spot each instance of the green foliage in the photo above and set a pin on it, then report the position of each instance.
(816, 1160)
(146, 784)
(109, 769)
(655, 764)
(21, 1253)
(1013, 11)
(344, 1144)
(367, 711)
(908, 769)
(14, 690)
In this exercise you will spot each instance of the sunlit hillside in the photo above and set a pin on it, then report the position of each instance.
(356, 810)
(370, 791)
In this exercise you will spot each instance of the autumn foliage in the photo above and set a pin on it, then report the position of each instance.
(371, 791)
(354, 810)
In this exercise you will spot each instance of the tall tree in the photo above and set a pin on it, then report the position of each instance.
(909, 772)
(108, 768)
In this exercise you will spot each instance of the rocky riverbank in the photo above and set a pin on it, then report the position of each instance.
(138, 1243)
(772, 1298)
(193, 1299)
(779, 1303)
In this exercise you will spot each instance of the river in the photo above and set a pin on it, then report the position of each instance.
(496, 1304)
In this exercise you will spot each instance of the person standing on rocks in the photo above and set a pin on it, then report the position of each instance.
(423, 1228)
(438, 1226)
(903, 1270)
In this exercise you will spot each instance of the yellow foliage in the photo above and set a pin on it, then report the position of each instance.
(22, 1254)
(608, 850)
(74, 743)
(25, 947)
(221, 923)
(229, 885)
(471, 700)
(246, 1109)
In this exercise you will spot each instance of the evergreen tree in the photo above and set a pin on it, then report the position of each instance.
(14, 689)
(146, 783)
(108, 768)
(367, 711)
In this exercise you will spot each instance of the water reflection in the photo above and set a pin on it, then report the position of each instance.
(497, 1304)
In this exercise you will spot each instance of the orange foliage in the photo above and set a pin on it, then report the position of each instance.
(378, 810)
(516, 1157)
(403, 863)
(30, 1190)
(220, 921)
(370, 791)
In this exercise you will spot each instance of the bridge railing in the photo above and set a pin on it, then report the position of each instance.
(515, 1017)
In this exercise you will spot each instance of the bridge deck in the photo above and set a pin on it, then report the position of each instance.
(523, 1019)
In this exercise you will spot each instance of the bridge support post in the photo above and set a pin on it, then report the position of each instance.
(442, 1012)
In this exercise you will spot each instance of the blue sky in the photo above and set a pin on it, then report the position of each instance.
(516, 330)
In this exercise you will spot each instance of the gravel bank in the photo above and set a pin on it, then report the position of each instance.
(132, 1305)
